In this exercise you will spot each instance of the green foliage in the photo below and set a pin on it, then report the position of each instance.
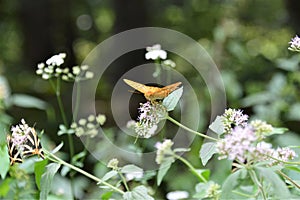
(4, 164)
(138, 193)
(207, 151)
(46, 180)
(163, 169)
(171, 101)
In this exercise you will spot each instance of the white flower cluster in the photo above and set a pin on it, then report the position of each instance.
(149, 117)
(20, 133)
(163, 149)
(295, 44)
(52, 69)
(155, 52)
(232, 118)
(88, 127)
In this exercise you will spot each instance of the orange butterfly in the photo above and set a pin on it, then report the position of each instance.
(152, 93)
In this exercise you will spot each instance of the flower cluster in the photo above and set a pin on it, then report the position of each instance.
(155, 52)
(295, 44)
(232, 118)
(52, 68)
(238, 144)
(113, 164)
(88, 127)
(213, 191)
(163, 149)
(149, 117)
(20, 133)
(244, 142)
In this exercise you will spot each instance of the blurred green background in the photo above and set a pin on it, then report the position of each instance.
(248, 41)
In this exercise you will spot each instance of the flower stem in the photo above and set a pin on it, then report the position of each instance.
(124, 181)
(98, 180)
(288, 178)
(194, 171)
(190, 130)
(256, 181)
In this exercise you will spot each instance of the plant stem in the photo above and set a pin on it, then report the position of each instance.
(98, 180)
(77, 103)
(194, 171)
(288, 178)
(256, 181)
(190, 130)
(124, 180)
(63, 114)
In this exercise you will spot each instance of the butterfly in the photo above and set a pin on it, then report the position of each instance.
(32, 145)
(152, 93)
(13, 152)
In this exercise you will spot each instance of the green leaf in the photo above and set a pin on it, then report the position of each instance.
(138, 193)
(131, 169)
(76, 159)
(231, 183)
(4, 164)
(207, 151)
(163, 169)
(39, 168)
(204, 172)
(64, 130)
(56, 149)
(217, 126)
(278, 131)
(171, 101)
(109, 175)
(47, 178)
(27, 101)
(106, 195)
(277, 186)
(5, 187)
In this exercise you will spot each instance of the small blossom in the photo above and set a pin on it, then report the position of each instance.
(175, 195)
(131, 124)
(163, 149)
(284, 154)
(155, 52)
(213, 191)
(295, 44)
(169, 63)
(232, 118)
(56, 60)
(101, 119)
(113, 164)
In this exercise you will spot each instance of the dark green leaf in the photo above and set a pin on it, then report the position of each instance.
(171, 101)
(204, 172)
(4, 164)
(39, 168)
(47, 178)
(217, 126)
(106, 195)
(207, 151)
(163, 169)
(138, 193)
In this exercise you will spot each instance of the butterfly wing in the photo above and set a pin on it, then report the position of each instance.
(138, 86)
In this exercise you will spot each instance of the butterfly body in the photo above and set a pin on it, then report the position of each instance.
(152, 93)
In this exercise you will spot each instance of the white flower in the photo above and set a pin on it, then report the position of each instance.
(56, 60)
(177, 195)
(155, 52)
